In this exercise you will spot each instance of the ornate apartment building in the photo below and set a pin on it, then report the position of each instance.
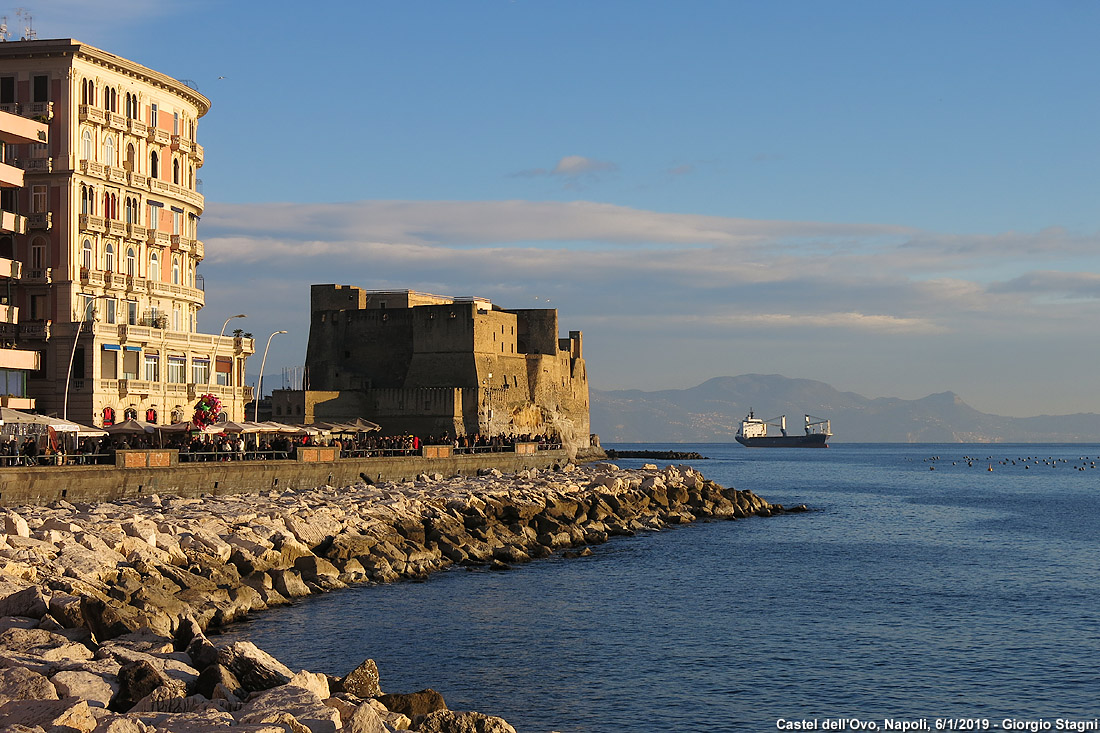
(15, 363)
(110, 249)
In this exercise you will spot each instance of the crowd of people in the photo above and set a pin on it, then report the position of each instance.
(240, 447)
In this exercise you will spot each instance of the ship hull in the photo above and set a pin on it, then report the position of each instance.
(814, 440)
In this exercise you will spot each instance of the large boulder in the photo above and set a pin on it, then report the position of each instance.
(414, 703)
(255, 668)
(19, 683)
(448, 721)
(363, 681)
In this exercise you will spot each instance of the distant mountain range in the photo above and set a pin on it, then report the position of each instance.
(712, 412)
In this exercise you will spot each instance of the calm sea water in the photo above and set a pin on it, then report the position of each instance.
(906, 593)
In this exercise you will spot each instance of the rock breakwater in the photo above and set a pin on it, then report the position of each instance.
(105, 606)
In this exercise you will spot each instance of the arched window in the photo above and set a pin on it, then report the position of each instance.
(87, 200)
(175, 270)
(86, 145)
(108, 417)
(133, 210)
(154, 267)
(131, 262)
(130, 413)
(109, 258)
(151, 415)
(131, 158)
(83, 91)
(154, 165)
(175, 171)
(86, 255)
(109, 151)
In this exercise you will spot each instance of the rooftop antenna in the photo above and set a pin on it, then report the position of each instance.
(29, 33)
(4, 34)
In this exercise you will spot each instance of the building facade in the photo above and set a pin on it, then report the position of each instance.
(111, 247)
(432, 365)
(15, 363)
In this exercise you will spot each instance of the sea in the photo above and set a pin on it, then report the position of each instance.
(929, 587)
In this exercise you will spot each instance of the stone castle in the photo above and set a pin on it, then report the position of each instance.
(431, 365)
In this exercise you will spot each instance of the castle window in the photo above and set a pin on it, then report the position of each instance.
(86, 145)
(109, 151)
(176, 172)
(86, 255)
(131, 262)
(154, 266)
(175, 270)
(154, 164)
(109, 258)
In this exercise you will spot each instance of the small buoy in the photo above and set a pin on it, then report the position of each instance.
(990, 466)
(931, 468)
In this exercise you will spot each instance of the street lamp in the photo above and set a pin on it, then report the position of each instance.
(214, 358)
(260, 381)
(76, 339)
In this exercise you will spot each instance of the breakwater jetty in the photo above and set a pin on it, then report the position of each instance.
(104, 607)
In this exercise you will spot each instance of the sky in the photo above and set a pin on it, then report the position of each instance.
(896, 199)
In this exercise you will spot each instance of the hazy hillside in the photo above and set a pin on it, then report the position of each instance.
(712, 412)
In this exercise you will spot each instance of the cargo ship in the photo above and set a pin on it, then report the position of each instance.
(754, 433)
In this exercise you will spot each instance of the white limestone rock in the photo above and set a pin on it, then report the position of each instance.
(97, 690)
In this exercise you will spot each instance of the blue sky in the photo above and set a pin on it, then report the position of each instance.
(894, 198)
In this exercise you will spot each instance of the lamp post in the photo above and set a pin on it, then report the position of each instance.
(76, 340)
(214, 358)
(260, 381)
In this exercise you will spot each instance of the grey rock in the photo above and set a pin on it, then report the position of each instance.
(363, 681)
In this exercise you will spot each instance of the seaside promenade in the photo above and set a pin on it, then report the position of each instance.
(105, 604)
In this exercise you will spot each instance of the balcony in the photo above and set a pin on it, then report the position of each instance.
(136, 231)
(20, 359)
(92, 223)
(158, 186)
(183, 244)
(39, 276)
(116, 228)
(38, 330)
(134, 386)
(198, 153)
(139, 181)
(40, 220)
(11, 268)
(159, 136)
(114, 280)
(117, 121)
(192, 197)
(198, 248)
(13, 223)
(91, 168)
(116, 175)
(9, 314)
(139, 128)
(136, 284)
(160, 239)
(91, 277)
(12, 108)
(17, 403)
(36, 165)
(193, 295)
(90, 113)
(42, 111)
(181, 143)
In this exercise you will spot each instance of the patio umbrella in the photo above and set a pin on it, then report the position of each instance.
(131, 427)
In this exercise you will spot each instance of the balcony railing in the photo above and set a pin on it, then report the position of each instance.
(116, 228)
(35, 329)
(137, 231)
(35, 165)
(159, 136)
(181, 143)
(93, 223)
(198, 153)
(38, 109)
(158, 186)
(160, 239)
(117, 121)
(90, 113)
(40, 275)
(116, 175)
(137, 180)
(139, 128)
(40, 220)
(198, 248)
(91, 168)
